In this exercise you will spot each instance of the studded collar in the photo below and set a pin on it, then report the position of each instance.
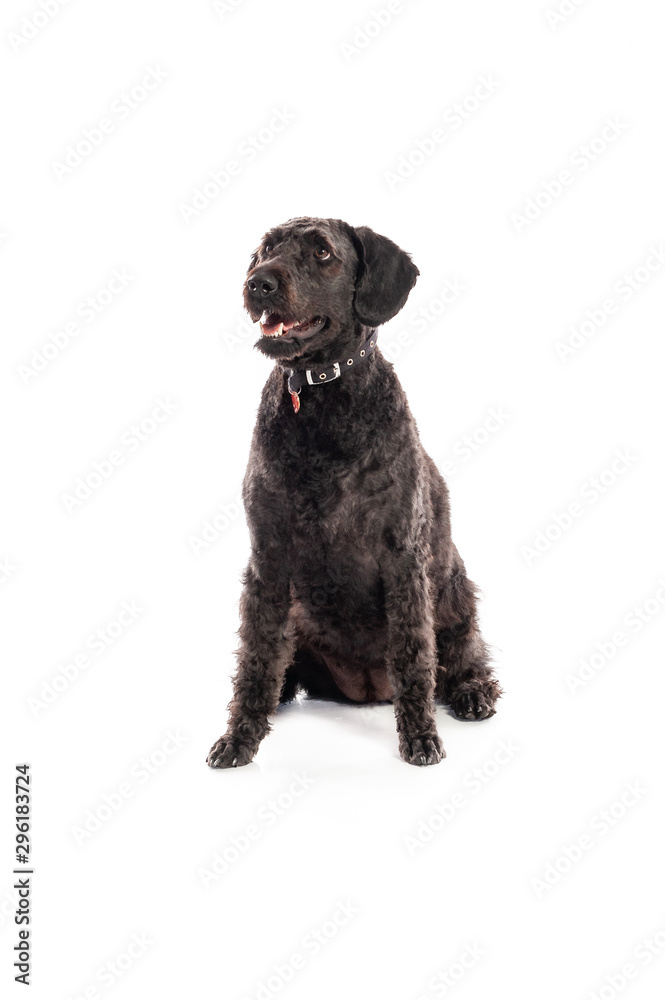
(321, 376)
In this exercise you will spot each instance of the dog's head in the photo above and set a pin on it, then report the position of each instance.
(313, 282)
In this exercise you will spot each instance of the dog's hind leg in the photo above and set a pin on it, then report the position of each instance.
(465, 680)
(290, 686)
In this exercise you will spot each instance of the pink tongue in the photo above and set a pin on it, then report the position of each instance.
(270, 328)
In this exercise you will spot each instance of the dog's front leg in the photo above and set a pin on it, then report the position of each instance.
(266, 649)
(411, 658)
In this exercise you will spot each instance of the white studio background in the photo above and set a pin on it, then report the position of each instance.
(526, 864)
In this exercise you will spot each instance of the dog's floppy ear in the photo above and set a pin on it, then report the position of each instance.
(385, 277)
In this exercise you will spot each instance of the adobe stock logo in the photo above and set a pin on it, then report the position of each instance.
(478, 437)
(598, 827)
(31, 25)
(579, 160)
(121, 108)
(213, 527)
(247, 151)
(562, 12)
(641, 956)
(589, 494)
(472, 783)
(623, 291)
(88, 309)
(364, 34)
(141, 772)
(224, 7)
(7, 569)
(605, 650)
(108, 974)
(453, 118)
(241, 842)
(131, 441)
(309, 945)
(446, 979)
(98, 642)
(424, 316)
(244, 332)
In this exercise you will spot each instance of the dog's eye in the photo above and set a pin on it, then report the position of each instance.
(321, 253)
(267, 248)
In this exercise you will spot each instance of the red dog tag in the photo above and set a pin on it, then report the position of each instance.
(295, 399)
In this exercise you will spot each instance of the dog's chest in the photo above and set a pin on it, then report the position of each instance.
(335, 498)
(332, 470)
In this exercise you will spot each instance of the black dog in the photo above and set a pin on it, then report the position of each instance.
(354, 589)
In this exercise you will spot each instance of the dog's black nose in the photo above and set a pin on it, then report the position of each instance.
(263, 282)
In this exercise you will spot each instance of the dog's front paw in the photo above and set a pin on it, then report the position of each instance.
(230, 752)
(475, 699)
(422, 750)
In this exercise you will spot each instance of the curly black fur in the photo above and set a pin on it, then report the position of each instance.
(354, 589)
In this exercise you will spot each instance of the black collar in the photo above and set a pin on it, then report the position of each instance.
(320, 376)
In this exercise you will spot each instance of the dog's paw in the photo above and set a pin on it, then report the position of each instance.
(230, 752)
(475, 699)
(422, 750)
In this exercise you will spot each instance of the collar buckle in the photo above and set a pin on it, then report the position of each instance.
(323, 376)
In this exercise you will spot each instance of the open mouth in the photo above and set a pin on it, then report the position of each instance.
(273, 325)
